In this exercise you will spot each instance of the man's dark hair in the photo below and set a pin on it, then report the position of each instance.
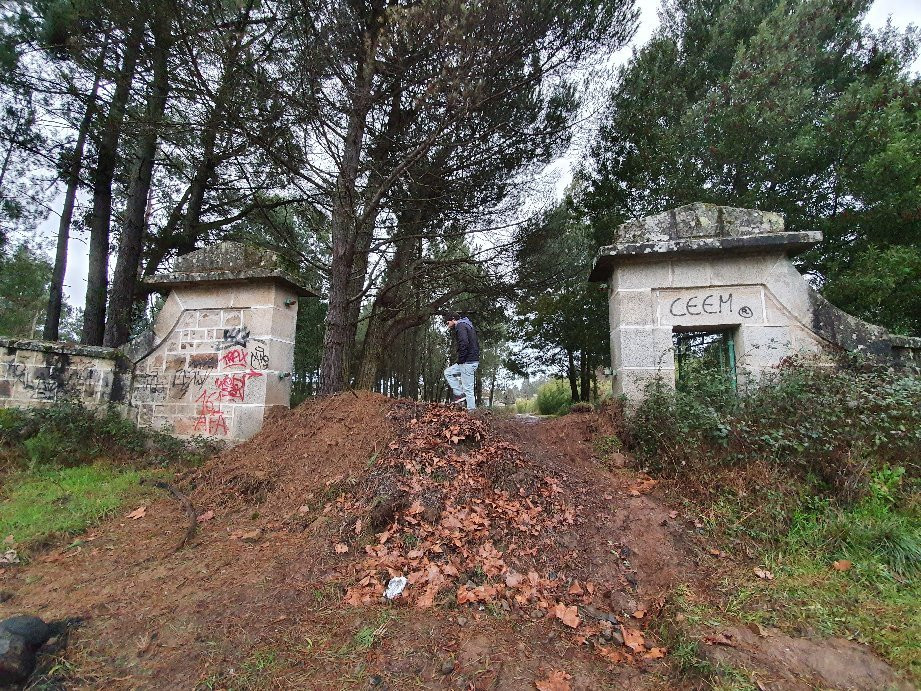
(451, 317)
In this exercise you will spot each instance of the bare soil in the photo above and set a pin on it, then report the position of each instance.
(530, 565)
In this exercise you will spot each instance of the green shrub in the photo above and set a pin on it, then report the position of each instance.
(525, 406)
(839, 423)
(67, 434)
(554, 398)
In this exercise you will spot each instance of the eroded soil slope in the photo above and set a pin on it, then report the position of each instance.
(527, 562)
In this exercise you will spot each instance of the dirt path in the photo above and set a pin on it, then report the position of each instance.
(257, 600)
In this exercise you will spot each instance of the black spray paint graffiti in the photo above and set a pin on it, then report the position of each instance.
(184, 379)
(258, 358)
(713, 303)
(52, 382)
(235, 336)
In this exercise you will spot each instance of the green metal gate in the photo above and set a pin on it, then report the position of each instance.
(705, 353)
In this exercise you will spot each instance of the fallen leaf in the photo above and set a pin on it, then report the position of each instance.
(557, 680)
(639, 614)
(575, 588)
(755, 629)
(137, 513)
(673, 514)
(719, 639)
(634, 493)
(358, 527)
(612, 655)
(206, 516)
(427, 599)
(654, 654)
(842, 565)
(567, 615)
(513, 580)
(341, 548)
(633, 638)
(764, 573)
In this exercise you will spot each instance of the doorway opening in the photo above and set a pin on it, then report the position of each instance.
(705, 359)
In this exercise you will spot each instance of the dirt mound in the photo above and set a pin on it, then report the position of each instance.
(526, 560)
(297, 455)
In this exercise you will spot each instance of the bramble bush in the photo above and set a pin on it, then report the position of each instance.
(68, 434)
(840, 424)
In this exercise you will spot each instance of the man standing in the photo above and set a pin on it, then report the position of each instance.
(460, 376)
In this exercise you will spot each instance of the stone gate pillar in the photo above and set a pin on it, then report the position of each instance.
(221, 350)
(719, 269)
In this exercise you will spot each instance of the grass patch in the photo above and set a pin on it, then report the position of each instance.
(39, 505)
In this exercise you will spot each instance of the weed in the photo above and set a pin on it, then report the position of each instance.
(365, 638)
(839, 424)
(68, 434)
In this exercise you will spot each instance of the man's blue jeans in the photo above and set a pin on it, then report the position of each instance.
(460, 379)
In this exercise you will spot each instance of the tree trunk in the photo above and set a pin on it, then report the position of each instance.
(492, 385)
(56, 289)
(372, 351)
(339, 335)
(586, 376)
(571, 373)
(94, 315)
(124, 282)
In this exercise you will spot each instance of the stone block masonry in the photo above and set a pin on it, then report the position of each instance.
(710, 268)
(38, 373)
(219, 355)
(222, 349)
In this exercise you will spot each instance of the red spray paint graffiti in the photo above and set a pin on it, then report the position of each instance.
(232, 387)
(210, 417)
(234, 358)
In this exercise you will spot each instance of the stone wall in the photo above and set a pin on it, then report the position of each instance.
(709, 268)
(219, 355)
(38, 373)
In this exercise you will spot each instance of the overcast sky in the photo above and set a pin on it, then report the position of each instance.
(902, 12)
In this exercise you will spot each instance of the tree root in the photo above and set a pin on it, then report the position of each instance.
(186, 504)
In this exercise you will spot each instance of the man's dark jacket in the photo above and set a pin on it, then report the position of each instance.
(468, 347)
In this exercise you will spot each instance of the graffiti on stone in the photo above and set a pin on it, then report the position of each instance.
(49, 383)
(695, 305)
(236, 357)
(210, 418)
(232, 387)
(235, 336)
(258, 359)
(184, 379)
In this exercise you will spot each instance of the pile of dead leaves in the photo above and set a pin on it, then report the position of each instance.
(471, 524)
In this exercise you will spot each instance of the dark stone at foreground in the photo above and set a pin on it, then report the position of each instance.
(35, 632)
(20, 637)
(17, 658)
